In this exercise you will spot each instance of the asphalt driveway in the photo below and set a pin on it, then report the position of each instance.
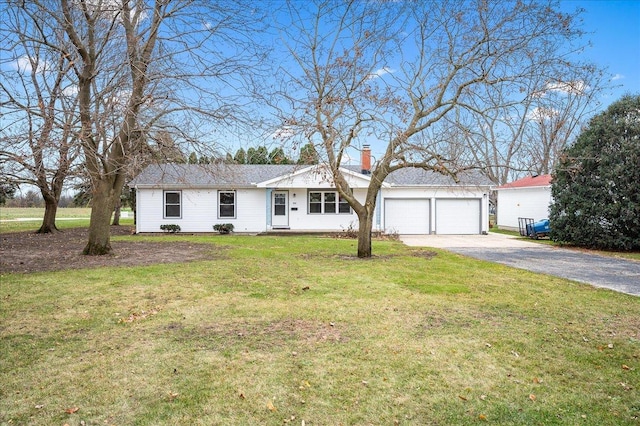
(600, 271)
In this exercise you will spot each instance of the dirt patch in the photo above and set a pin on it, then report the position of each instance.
(29, 252)
(259, 335)
(424, 254)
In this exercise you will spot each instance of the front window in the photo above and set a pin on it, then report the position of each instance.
(315, 202)
(343, 206)
(172, 205)
(327, 202)
(226, 204)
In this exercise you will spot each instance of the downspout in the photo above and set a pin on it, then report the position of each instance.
(378, 212)
(268, 204)
(136, 213)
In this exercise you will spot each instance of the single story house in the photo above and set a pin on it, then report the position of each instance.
(527, 197)
(263, 198)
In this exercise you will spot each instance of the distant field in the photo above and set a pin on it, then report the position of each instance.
(16, 219)
(7, 213)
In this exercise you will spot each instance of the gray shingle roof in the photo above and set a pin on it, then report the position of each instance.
(248, 175)
(194, 175)
(411, 176)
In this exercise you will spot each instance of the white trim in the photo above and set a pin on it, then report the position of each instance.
(164, 203)
(235, 203)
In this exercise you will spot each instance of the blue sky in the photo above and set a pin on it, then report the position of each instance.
(614, 27)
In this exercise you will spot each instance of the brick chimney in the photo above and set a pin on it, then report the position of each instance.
(366, 160)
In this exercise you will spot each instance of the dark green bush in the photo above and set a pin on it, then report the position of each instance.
(171, 228)
(596, 183)
(223, 228)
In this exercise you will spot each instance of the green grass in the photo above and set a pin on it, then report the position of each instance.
(621, 254)
(16, 219)
(277, 330)
(34, 212)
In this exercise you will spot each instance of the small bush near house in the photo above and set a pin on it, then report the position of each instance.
(223, 228)
(170, 228)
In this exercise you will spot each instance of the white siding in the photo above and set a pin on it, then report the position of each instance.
(406, 215)
(522, 202)
(199, 210)
(315, 178)
(300, 218)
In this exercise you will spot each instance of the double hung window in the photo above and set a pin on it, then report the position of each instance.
(172, 204)
(226, 204)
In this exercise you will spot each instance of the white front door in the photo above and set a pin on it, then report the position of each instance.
(279, 209)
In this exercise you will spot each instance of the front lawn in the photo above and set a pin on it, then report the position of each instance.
(296, 330)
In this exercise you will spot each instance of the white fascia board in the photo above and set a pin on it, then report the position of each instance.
(276, 180)
(523, 187)
(418, 185)
(188, 186)
(365, 178)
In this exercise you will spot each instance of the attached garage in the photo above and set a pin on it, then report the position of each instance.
(406, 215)
(459, 216)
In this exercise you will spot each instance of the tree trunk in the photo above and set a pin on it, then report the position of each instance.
(364, 236)
(49, 220)
(99, 233)
(116, 213)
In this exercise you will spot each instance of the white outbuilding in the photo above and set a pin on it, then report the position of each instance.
(529, 197)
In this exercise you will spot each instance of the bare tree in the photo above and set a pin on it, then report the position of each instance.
(38, 143)
(391, 73)
(514, 136)
(559, 111)
(143, 66)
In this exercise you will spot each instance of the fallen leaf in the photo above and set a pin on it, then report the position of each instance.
(482, 417)
(71, 410)
(625, 367)
(532, 397)
(483, 397)
(242, 396)
(271, 407)
(537, 380)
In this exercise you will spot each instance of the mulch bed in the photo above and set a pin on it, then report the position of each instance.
(30, 252)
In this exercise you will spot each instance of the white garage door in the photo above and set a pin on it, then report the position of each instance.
(458, 216)
(406, 216)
